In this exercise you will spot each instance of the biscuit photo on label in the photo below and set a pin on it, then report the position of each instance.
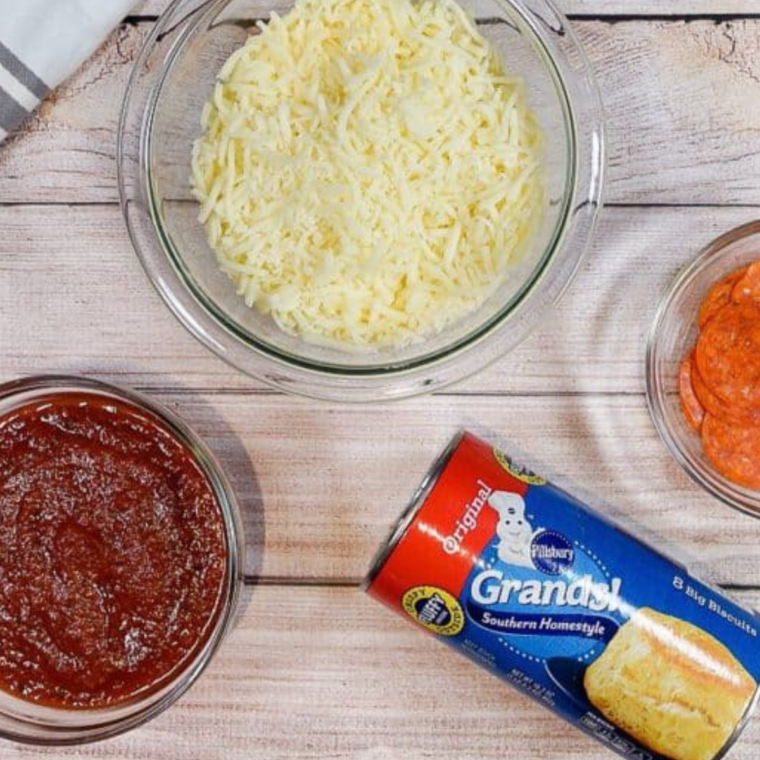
(649, 683)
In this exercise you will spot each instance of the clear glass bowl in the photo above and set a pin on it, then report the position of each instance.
(25, 721)
(173, 77)
(672, 338)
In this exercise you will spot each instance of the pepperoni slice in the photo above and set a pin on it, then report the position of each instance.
(719, 408)
(718, 296)
(747, 287)
(692, 408)
(733, 450)
(728, 354)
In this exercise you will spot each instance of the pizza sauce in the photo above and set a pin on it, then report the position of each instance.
(113, 553)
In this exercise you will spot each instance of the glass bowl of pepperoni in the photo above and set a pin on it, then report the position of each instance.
(703, 368)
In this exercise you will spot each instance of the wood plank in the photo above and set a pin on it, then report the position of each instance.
(676, 8)
(660, 8)
(73, 297)
(593, 7)
(683, 105)
(327, 673)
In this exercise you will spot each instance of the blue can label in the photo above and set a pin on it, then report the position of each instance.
(574, 611)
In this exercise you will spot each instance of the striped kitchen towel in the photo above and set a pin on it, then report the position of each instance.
(44, 41)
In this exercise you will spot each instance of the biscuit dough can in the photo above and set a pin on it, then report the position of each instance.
(574, 611)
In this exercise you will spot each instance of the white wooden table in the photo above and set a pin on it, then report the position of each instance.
(314, 669)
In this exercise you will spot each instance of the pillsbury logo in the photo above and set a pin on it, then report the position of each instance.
(551, 553)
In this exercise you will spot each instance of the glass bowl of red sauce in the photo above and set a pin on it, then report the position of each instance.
(703, 365)
(120, 559)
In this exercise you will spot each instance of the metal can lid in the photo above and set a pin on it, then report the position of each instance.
(402, 524)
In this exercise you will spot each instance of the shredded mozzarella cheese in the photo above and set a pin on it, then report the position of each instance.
(368, 172)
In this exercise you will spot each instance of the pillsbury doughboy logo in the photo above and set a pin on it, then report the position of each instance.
(538, 587)
(521, 545)
(513, 529)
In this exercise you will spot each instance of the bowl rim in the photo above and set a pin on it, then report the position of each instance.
(743, 499)
(102, 723)
(424, 372)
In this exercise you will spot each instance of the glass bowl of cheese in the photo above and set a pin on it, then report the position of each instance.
(361, 199)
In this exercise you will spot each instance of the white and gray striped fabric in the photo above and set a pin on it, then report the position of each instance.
(42, 42)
